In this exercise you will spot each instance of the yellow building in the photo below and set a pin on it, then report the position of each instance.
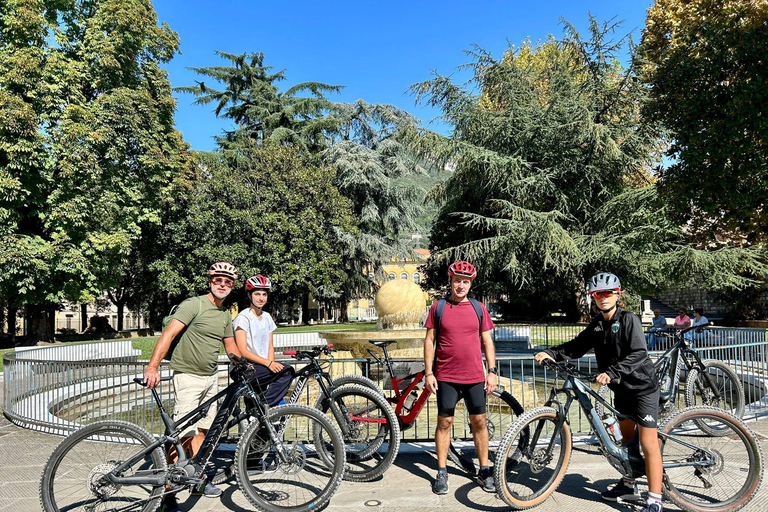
(407, 268)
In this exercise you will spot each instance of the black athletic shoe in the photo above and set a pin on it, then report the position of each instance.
(170, 504)
(621, 491)
(485, 480)
(440, 485)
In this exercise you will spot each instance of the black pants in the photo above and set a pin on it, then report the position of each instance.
(277, 389)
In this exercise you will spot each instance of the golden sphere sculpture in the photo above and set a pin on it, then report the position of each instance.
(400, 304)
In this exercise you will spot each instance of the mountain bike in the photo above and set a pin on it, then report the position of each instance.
(701, 472)
(367, 423)
(709, 382)
(501, 408)
(118, 466)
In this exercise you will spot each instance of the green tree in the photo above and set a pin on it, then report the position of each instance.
(87, 146)
(550, 155)
(705, 63)
(361, 140)
(271, 210)
(252, 99)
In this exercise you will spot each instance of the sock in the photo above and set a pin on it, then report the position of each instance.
(629, 482)
(485, 468)
(654, 498)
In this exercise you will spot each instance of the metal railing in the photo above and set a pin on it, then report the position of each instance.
(45, 393)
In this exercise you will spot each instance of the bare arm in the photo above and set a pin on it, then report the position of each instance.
(231, 347)
(492, 380)
(152, 375)
(429, 359)
(241, 337)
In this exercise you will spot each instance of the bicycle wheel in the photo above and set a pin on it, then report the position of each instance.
(73, 476)
(729, 387)
(371, 431)
(357, 379)
(530, 472)
(501, 411)
(605, 393)
(289, 474)
(221, 465)
(705, 473)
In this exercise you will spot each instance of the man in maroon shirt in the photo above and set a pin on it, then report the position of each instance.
(459, 370)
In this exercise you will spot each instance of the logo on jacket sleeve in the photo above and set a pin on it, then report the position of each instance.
(598, 328)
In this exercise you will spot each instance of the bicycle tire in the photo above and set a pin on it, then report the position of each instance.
(267, 481)
(605, 393)
(500, 415)
(72, 471)
(733, 478)
(521, 481)
(367, 458)
(357, 379)
(698, 393)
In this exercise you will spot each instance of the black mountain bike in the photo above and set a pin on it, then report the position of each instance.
(709, 382)
(366, 421)
(701, 472)
(118, 466)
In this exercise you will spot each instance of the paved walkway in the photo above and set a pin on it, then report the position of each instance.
(404, 488)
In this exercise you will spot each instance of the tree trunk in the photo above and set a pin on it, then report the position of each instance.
(83, 317)
(583, 305)
(2, 317)
(305, 308)
(12, 314)
(39, 322)
(120, 310)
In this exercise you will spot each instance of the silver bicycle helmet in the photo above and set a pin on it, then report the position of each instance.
(604, 281)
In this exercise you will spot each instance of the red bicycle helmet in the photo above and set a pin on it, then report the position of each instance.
(462, 268)
(222, 268)
(258, 282)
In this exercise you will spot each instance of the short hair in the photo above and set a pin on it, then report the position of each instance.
(700, 311)
(657, 311)
(682, 310)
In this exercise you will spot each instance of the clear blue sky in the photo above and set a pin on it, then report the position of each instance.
(377, 49)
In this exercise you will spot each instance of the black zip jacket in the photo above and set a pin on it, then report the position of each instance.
(620, 351)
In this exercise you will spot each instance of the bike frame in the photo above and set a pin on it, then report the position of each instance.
(678, 353)
(400, 396)
(221, 422)
(633, 463)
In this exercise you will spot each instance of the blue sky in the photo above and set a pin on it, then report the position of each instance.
(376, 49)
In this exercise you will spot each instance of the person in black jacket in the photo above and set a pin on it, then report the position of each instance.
(622, 358)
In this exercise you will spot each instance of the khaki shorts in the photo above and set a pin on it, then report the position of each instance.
(190, 391)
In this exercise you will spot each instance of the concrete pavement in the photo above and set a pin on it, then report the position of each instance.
(404, 488)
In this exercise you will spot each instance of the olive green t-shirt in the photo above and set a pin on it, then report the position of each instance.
(198, 348)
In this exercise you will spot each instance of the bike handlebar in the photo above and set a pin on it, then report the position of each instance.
(570, 369)
(304, 354)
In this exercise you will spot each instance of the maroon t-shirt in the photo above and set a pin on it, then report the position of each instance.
(460, 349)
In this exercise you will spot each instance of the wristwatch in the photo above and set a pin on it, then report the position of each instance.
(493, 370)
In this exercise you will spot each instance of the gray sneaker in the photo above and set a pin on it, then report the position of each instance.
(209, 491)
(485, 480)
(440, 485)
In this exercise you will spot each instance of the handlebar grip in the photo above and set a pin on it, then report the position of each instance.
(330, 345)
(289, 353)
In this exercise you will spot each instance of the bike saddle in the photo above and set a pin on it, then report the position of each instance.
(382, 343)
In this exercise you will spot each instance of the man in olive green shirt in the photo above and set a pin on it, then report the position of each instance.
(205, 324)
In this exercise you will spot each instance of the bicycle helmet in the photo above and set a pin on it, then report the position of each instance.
(462, 268)
(604, 281)
(258, 282)
(222, 268)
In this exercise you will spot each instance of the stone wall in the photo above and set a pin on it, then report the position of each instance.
(694, 297)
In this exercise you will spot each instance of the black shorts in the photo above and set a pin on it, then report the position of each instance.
(449, 394)
(643, 409)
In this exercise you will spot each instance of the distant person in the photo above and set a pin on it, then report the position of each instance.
(698, 320)
(682, 320)
(659, 325)
(464, 334)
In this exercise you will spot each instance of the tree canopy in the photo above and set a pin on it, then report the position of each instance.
(705, 61)
(87, 145)
(551, 181)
